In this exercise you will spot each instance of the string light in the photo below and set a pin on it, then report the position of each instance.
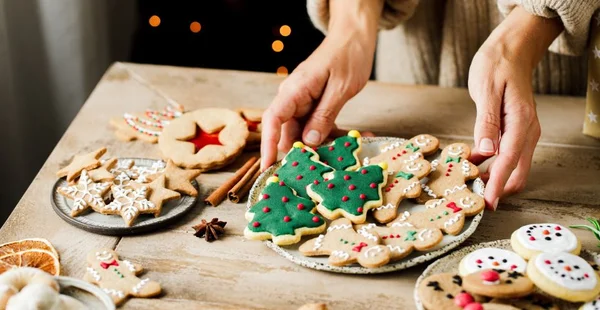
(195, 27)
(277, 46)
(282, 71)
(285, 30)
(154, 21)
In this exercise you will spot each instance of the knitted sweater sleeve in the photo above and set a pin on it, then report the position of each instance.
(576, 16)
(394, 12)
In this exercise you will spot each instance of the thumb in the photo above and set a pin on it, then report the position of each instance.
(322, 119)
(487, 124)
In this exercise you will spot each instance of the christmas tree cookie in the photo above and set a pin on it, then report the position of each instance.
(342, 154)
(301, 167)
(350, 194)
(402, 184)
(282, 216)
(396, 153)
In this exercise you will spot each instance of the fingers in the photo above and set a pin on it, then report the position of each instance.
(322, 120)
(290, 133)
(518, 178)
(488, 98)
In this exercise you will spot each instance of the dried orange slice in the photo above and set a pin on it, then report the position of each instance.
(41, 259)
(26, 244)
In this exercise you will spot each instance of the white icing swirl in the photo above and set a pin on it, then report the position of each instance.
(373, 251)
(465, 167)
(340, 254)
(428, 190)
(336, 227)
(435, 204)
(410, 187)
(424, 234)
(455, 189)
(318, 242)
(452, 220)
(364, 231)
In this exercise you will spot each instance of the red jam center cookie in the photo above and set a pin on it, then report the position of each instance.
(252, 126)
(203, 139)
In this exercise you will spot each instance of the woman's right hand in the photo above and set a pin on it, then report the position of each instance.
(311, 97)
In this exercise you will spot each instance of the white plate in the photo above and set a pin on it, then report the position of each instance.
(88, 294)
(370, 148)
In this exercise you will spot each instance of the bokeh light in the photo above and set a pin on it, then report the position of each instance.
(282, 71)
(277, 46)
(285, 30)
(154, 21)
(195, 27)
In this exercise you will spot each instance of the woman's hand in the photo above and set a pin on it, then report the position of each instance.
(309, 100)
(500, 84)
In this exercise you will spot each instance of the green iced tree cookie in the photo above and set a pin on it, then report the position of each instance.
(342, 154)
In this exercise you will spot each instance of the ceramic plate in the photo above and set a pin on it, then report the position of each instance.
(450, 264)
(114, 224)
(370, 148)
(90, 295)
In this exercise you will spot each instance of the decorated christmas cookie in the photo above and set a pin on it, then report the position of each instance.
(401, 184)
(159, 194)
(130, 203)
(85, 194)
(546, 237)
(205, 139)
(395, 153)
(144, 126)
(282, 216)
(102, 173)
(342, 154)
(301, 167)
(118, 278)
(564, 275)
(449, 173)
(491, 258)
(350, 194)
(402, 238)
(498, 283)
(591, 305)
(80, 163)
(447, 214)
(253, 118)
(531, 302)
(445, 291)
(345, 246)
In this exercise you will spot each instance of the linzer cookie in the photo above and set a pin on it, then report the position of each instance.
(401, 238)
(342, 153)
(282, 216)
(146, 126)
(532, 239)
(564, 275)
(301, 167)
(205, 139)
(491, 258)
(394, 154)
(253, 118)
(498, 283)
(445, 291)
(447, 214)
(345, 246)
(403, 183)
(350, 194)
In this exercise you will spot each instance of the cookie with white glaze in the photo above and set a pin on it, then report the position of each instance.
(491, 258)
(532, 239)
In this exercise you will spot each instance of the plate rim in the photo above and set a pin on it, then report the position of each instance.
(391, 267)
(121, 231)
(65, 282)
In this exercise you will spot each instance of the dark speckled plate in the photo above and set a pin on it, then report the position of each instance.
(114, 224)
(450, 264)
(370, 148)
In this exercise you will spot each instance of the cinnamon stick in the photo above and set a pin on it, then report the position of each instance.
(240, 190)
(220, 193)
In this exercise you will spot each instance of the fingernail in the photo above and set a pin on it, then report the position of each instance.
(313, 137)
(495, 205)
(486, 145)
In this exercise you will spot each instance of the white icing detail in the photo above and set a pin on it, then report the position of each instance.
(396, 248)
(491, 282)
(104, 256)
(424, 141)
(336, 227)
(411, 186)
(404, 216)
(388, 206)
(129, 265)
(373, 251)
(435, 204)
(130, 202)
(499, 256)
(466, 202)
(144, 172)
(138, 287)
(592, 305)
(122, 179)
(94, 274)
(413, 167)
(130, 120)
(452, 220)
(402, 224)
(86, 192)
(455, 152)
(428, 190)
(413, 157)
(565, 241)
(574, 279)
(391, 147)
(455, 189)
(365, 233)
(466, 168)
(340, 254)
(424, 234)
(366, 161)
(434, 164)
(114, 292)
(318, 242)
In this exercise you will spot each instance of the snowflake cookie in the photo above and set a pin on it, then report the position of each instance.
(85, 194)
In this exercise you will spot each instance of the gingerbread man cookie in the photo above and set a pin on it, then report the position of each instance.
(401, 238)
(532, 239)
(491, 258)
(342, 154)
(445, 291)
(450, 173)
(447, 214)
(301, 167)
(403, 183)
(498, 283)
(345, 246)
(396, 153)
(118, 278)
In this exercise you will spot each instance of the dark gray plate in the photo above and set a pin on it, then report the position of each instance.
(114, 224)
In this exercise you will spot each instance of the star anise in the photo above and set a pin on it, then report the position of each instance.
(210, 230)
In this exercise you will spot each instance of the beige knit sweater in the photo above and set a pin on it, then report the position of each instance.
(433, 42)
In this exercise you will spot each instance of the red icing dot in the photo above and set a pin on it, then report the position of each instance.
(403, 151)
(364, 171)
(256, 224)
(450, 165)
(359, 210)
(363, 196)
(298, 177)
(331, 148)
(352, 187)
(295, 164)
(397, 236)
(395, 181)
(393, 158)
(287, 218)
(346, 177)
(447, 174)
(326, 162)
(316, 182)
(392, 236)
(312, 167)
(340, 158)
(532, 238)
(513, 267)
(330, 185)
(463, 299)
(547, 262)
(300, 206)
(479, 261)
(285, 199)
(316, 219)
(345, 198)
(391, 185)
(266, 196)
(398, 154)
(586, 275)
(449, 170)
(388, 189)
(347, 144)
(557, 228)
(490, 276)
(384, 237)
(303, 150)
(473, 306)
(325, 179)
(373, 185)
(281, 183)
(266, 209)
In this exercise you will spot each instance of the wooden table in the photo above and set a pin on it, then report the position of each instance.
(233, 273)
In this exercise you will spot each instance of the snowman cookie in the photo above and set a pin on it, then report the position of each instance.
(547, 237)
(498, 283)
(591, 305)
(446, 291)
(564, 275)
(491, 258)
(118, 278)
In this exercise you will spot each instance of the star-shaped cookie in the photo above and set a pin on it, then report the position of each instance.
(81, 162)
(85, 194)
(159, 194)
(102, 173)
(180, 179)
(129, 203)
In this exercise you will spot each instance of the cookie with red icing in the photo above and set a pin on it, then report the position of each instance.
(205, 139)
(532, 239)
(342, 153)
(301, 167)
(491, 258)
(345, 246)
(498, 283)
(253, 118)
